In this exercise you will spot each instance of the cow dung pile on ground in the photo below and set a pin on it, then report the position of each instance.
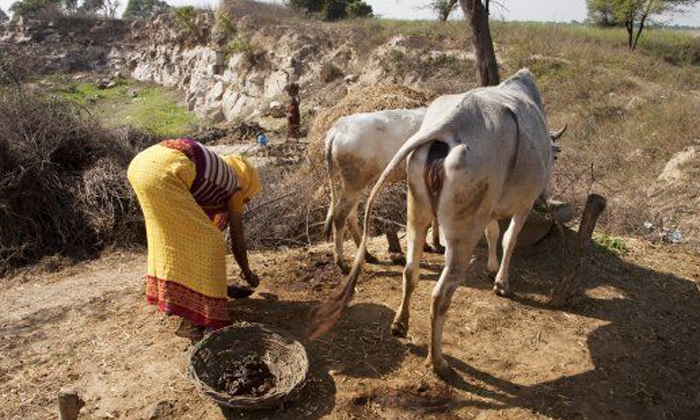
(291, 209)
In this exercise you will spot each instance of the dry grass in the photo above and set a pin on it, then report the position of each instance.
(628, 113)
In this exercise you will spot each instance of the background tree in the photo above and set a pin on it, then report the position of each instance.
(477, 15)
(601, 13)
(358, 9)
(443, 8)
(333, 9)
(92, 7)
(109, 8)
(35, 7)
(3, 17)
(58, 7)
(633, 14)
(144, 9)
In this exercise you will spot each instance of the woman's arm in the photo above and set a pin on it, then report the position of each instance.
(238, 242)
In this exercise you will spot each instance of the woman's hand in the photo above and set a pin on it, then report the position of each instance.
(236, 291)
(251, 278)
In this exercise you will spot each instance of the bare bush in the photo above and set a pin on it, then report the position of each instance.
(18, 65)
(63, 187)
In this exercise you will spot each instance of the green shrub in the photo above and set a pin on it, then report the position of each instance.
(186, 17)
(241, 45)
(608, 243)
(224, 26)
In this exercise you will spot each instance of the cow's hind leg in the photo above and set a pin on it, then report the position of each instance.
(354, 228)
(418, 220)
(340, 218)
(510, 238)
(457, 257)
(492, 232)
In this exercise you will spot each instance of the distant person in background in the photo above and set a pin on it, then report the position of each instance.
(188, 195)
(293, 117)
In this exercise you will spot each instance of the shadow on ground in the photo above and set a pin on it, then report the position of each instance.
(646, 359)
(647, 363)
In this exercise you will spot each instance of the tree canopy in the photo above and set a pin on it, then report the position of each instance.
(634, 15)
(333, 9)
(86, 7)
(3, 16)
(443, 8)
(144, 9)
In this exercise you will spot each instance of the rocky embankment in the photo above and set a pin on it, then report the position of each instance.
(228, 74)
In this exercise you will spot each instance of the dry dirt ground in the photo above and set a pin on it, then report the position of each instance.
(628, 349)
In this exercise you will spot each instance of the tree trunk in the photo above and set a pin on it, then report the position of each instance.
(629, 25)
(639, 32)
(477, 13)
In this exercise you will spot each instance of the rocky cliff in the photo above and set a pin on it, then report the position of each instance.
(238, 72)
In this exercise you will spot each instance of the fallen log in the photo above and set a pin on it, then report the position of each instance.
(573, 278)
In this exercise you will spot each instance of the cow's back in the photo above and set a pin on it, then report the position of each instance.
(505, 141)
(366, 142)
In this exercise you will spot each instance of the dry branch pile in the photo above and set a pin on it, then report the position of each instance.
(291, 209)
(63, 187)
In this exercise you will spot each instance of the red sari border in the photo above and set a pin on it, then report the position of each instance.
(174, 298)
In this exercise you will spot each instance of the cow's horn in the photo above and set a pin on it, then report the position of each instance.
(557, 135)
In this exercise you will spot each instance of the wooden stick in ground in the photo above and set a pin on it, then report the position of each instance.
(573, 279)
(69, 404)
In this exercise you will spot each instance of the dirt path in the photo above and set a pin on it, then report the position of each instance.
(627, 350)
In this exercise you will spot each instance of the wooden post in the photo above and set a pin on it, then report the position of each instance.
(572, 282)
(69, 404)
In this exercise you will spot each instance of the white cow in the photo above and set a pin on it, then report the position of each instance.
(358, 148)
(478, 157)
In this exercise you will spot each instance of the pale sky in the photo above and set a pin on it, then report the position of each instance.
(523, 10)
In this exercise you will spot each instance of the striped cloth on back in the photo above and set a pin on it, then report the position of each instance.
(214, 182)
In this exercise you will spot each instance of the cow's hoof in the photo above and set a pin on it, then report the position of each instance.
(344, 267)
(371, 259)
(437, 249)
(492, 267)
(398, 259)
(399, 329)
(501, 290)
(440, 368)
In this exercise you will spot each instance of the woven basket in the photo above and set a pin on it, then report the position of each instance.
(285, 357)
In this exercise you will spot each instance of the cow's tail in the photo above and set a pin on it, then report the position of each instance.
(328, 313)
(330, 167)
